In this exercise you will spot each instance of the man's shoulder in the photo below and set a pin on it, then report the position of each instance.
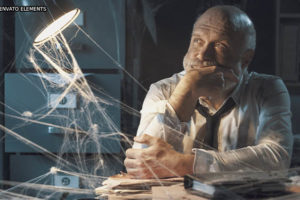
(265, 83)
(170, 81)
(262, 80)
(163, 89)
(254, 76)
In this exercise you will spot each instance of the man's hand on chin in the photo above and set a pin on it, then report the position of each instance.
(210, 81)
(159, 160)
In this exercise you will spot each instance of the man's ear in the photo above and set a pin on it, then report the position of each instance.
(247, 58)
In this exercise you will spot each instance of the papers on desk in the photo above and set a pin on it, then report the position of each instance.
(225, 185)
(122, 184)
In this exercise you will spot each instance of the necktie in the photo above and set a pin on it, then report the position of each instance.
(212, 123)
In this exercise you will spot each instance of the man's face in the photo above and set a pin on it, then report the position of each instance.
(214, 44)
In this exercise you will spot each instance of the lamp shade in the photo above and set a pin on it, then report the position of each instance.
(59, 15)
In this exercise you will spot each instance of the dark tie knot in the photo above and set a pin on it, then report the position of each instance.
(213, 122)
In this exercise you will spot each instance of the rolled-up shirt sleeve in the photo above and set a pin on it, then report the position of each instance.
(159, 119)
(273, 142)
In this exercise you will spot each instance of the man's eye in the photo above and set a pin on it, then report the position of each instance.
(197, 41)
(220, 46)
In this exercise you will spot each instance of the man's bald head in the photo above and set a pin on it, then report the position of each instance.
(229, 19)
(223, 37)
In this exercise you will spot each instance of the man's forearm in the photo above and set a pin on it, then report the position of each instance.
(183, 101)
(260, 157)
(186, 164)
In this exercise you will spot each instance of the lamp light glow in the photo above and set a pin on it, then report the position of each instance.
(56, 27)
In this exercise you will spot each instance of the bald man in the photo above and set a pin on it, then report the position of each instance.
(214, 116)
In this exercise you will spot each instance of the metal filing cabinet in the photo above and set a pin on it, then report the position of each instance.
(28, 97)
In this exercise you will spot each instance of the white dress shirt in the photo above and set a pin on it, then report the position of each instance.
(255, 135)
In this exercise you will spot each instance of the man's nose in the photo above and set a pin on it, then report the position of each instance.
(205, 53)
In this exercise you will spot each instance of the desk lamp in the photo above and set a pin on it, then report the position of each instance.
(59, 15)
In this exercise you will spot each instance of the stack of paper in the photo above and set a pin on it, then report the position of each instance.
(123, 185)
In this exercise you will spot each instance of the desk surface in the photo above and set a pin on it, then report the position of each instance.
(120, 187)
(178, 192)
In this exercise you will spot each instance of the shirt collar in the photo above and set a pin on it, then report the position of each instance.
(236, 94)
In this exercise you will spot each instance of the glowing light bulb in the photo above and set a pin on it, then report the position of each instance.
(56, 27)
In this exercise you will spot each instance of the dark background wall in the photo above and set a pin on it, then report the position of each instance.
(1, 118)
(7, 63)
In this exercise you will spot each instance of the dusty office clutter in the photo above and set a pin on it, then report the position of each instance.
(226, 185)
